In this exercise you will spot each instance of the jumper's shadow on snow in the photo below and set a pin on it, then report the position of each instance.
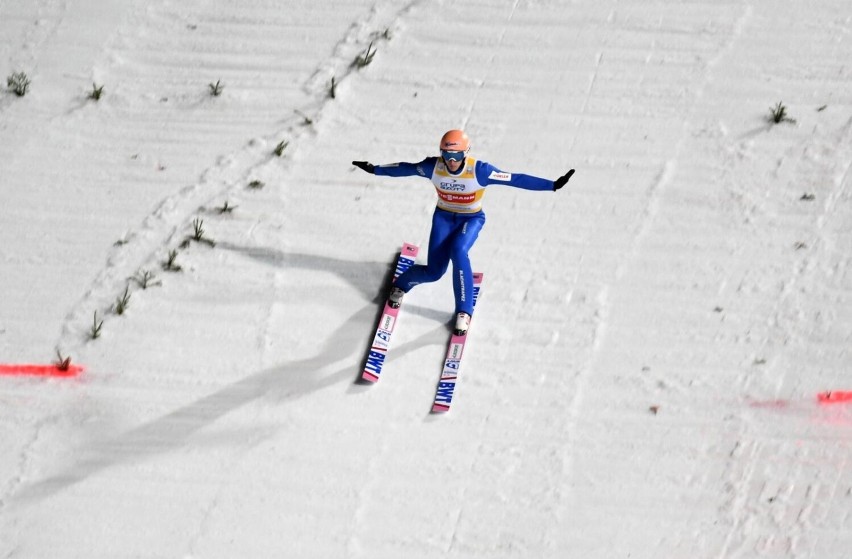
(371, 279)
(363, 276)
(275, 385)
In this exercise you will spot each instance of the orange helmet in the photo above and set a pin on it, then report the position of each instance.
(455, 140)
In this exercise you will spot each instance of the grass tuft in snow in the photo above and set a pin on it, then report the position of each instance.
(198, 234)
(225, 208)
(307, 120)
(778, 114)
(97, 92)
(62, 363)
(197, 229)
(18, 83)
(122, 302)
(279, 149)
(146, 279)
(170, 265)
(95, 332)
(216, 88)
(332, 90)
(256, 184)
(365, 59)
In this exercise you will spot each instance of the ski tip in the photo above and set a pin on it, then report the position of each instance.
(440, 408)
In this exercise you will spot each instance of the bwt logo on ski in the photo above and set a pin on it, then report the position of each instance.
(403, 264)
(444, 393)
(375, 361)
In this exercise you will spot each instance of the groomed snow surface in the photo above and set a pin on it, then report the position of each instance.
(642, 372)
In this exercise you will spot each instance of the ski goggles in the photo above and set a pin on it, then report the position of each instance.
(452, 155)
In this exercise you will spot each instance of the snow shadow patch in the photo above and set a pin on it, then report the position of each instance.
(280, 384)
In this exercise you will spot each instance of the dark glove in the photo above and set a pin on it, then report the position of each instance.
(563, 180)
(364, 166)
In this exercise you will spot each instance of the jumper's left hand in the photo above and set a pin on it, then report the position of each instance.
(563, 180)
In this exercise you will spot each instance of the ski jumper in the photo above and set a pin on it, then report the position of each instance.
(457, 220)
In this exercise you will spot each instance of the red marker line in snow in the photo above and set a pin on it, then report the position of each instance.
(835, 397)
(39, 370)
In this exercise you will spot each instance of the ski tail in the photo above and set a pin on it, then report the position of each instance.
(452, 363)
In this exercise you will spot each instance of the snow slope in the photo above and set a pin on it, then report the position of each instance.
(641, 377)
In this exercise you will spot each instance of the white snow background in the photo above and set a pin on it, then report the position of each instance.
(642, 371)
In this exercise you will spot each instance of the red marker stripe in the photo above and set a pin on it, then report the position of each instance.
(39, 370)
(835, 397)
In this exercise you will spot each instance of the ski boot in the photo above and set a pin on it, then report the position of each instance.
(462, 324)
(395, 298)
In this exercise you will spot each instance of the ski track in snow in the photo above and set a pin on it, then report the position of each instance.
(170, 223)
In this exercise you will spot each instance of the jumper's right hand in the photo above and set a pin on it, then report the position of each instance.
(365, 166)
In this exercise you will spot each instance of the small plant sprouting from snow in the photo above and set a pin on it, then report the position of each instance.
(197, 229)
(279, 149)
(62, 363)
(256, 184)
(18, 83)
(332, 92)
(122, 302)
(146, 279)
(97, 92)
(366, 58)
(170, 265)
(216, 88)
(225, 208)
(306, 120)
(198, 234)
(778, 114)
(95, 332)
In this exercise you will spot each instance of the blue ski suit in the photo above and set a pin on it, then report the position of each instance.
(458, 218)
